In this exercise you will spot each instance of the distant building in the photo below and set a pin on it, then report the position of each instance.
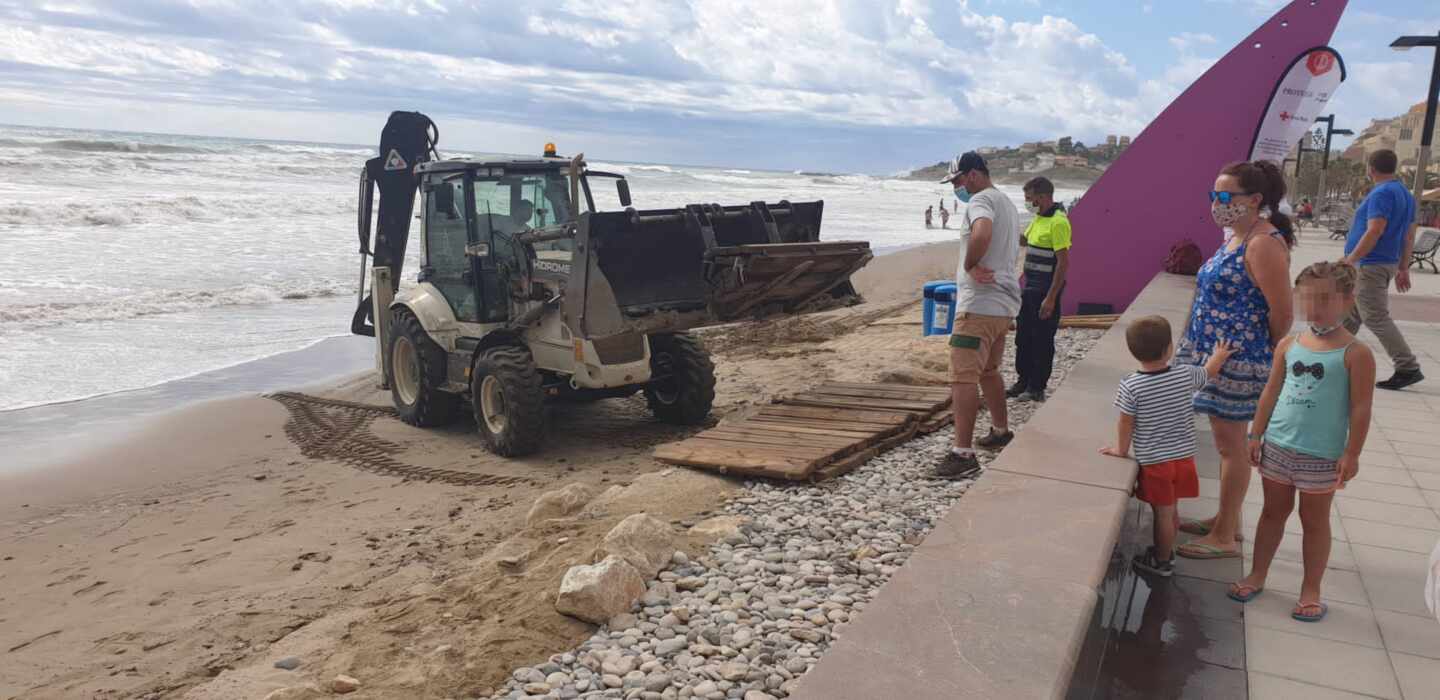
(1410, 130)
(1071, 161)
(1065, 146)
(1030, 147)
(987, 150)
(1124, 142)
(1047, 145)
(1112, 140)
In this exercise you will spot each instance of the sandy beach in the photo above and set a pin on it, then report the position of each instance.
(185, 558)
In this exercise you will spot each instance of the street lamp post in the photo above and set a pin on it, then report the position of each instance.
(1405, 43)
(1330, 131)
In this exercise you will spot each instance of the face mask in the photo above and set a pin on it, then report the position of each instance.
(1228, 214)
(1030, 207)
(962, 194)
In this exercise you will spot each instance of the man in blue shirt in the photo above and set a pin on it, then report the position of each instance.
(1379, 245)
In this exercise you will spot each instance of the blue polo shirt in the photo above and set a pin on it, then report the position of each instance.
(1392, 202)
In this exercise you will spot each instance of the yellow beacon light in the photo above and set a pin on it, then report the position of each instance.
(550, 150)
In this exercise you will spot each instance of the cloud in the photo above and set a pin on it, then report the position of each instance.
(643, 71)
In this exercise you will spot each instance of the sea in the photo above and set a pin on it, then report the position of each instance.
(130, 260)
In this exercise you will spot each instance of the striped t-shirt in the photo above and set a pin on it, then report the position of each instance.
(1164, 417)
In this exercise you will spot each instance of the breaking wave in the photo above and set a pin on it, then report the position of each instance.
(153, 303)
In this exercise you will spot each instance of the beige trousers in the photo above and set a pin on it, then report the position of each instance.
(1372, 307)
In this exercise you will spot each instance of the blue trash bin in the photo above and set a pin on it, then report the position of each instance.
(927, 311)
(942, 317)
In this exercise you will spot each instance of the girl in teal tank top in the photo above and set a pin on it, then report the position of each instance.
(1309, 430)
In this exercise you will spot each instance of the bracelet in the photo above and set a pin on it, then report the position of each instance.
(1255, 437)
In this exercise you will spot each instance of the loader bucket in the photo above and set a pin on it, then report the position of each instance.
(669, 270)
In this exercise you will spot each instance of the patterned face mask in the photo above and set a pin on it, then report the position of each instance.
(1227, 214)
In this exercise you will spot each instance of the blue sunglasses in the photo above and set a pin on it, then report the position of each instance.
(1225, 197)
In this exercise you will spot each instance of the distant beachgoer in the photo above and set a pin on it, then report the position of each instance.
(944, 218)
(929, 217)
(1242, 295)
(1383, 235)
(1047, 262)
(988, 299)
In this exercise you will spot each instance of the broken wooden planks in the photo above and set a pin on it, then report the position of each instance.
(818, 434)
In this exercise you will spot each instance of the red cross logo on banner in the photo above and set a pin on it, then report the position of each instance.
(1319, 62)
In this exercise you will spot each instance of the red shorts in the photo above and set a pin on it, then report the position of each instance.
(1165, 483)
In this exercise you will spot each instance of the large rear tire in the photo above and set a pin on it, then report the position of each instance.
(417, 371)
(685, 389)
(509, 400)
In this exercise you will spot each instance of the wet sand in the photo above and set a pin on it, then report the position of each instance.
(184, 558)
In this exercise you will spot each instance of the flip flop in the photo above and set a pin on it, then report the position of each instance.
(1195, 550)
(1309, 618)
(1243, 592)
(1192, 526)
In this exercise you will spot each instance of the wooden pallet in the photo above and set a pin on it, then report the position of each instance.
(817, 434)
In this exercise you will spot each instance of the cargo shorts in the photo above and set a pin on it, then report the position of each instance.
(977, 347)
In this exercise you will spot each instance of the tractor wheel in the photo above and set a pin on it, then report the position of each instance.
(509, 400)
(417, 371)
(684, 385)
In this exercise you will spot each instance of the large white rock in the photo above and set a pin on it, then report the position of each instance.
(559, 504)
(647, 543)
(597, 592)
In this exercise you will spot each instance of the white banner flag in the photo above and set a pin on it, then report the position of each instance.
(1299, 97)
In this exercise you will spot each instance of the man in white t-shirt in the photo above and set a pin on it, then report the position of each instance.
(987, 300)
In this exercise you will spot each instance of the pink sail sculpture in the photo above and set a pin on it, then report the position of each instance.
(1154, 195)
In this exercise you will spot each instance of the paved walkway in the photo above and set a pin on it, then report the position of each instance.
(1379, 639)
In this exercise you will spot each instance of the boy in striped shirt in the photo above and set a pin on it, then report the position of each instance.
(1157, 421)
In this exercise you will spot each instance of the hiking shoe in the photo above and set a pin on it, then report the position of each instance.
(1148, 563)
(994, 440)
(1015, 389)
(957, 466)
(1400, 380)
(1032, 397)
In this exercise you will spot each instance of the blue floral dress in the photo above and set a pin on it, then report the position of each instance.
(1228, 305)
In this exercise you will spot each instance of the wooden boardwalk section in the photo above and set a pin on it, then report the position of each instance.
(817, 434)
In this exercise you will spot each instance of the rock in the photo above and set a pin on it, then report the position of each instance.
(690, 583)
(705, 688)
(559, 504)
(670, 647)
(611, 680)
(720, 527)
(536, 688)
(623, 621)
(289, 663)
(734, 671)
(679, 559)
(513, 554)
(619, 666)
(597, 592)
(344, 684)
(657, 682)
(557, 679)
(758, 695)
(645, 542)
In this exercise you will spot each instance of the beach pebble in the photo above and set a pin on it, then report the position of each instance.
(289, 663)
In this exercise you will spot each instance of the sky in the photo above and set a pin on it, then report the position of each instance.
(872, 86)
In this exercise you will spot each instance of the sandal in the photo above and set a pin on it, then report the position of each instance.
(1196, 550)
(1198, 527)
(1299, 613)
(1243, 592)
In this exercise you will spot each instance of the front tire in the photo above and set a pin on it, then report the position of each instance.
(509, 400)
(685, 388)
(417, 371)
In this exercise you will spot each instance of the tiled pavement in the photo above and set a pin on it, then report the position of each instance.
(1379, 640)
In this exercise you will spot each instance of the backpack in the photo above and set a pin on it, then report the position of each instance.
(1184, 258)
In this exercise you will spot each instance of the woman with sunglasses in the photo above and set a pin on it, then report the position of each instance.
(1242, 295)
